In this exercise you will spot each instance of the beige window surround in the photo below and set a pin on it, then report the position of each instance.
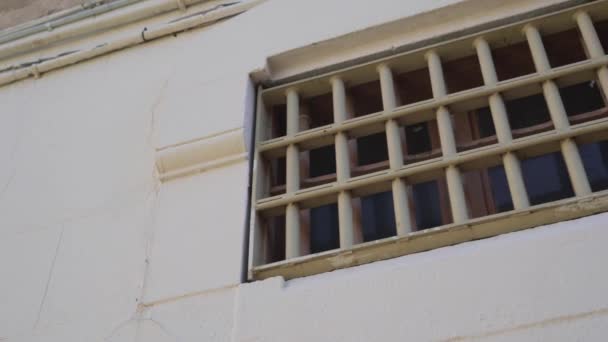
(507, 151)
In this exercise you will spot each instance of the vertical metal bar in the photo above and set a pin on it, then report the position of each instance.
(446, 132)
(550, 90)
(438, 84)
(510, 161)
(515, 180)
(575, 167)
(448, 141)
(594, 46)
(292, 212)
(345, 205)
(395, 152)
(292, 231)
(535, 42)
(486, 63)
(458, 201)
(260, 184)
(572, 158)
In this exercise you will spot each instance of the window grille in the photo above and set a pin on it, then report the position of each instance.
(469, 138)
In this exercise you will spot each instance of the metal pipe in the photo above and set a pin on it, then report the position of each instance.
(73, 15)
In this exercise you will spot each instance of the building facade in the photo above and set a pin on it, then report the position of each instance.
(186, 170)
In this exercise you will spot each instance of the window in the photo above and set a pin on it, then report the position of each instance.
(470, 138)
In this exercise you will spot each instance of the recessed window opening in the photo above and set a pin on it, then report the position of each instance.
(366, 98)
(583, 98)
(372, 153)
(278, 120)
(421, 142)
(462, 74)
(546, 178)
(413, 86)
(474, 129)
(431, 204)
(274, 239)
(321, 166)
(487, 191)
(277, 168)
(595, 160)
(320, 110)
(378, 216)
(324, 231)
(528, 115)
(513, 61)
(602, 31)
(564, 48)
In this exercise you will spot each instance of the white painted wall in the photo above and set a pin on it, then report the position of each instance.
(94, 247)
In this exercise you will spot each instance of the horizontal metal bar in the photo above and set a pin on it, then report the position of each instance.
(429, 105)
(428, 239)
(434, 164)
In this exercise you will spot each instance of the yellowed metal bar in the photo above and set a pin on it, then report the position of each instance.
(431, 104)
(446, 132)
(292, 231)
(438, 84)
(575, 167)
(293, 112)
(515, 180)
(292, 161)
(535, 42)
(458, 201)
(345, 219)
(402, 210)
(501, 124)
(556, 106)
(486, 62)
(395, 152)
(500, 119)
(448, 141)
(590, 37)
(594, 46)
(345, 205)
(438, 163)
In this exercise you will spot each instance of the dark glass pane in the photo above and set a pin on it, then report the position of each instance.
(527, 111)
(321, 110)
(546, 178)
(417, 138)
(278, 171)
(428, 207)
(367, 98)
(324, 234)
(485, 123)
(372, 149)
(513, 61)
(581, 98)
(564, 48)
(322, 161)
(276, 239)
(279, 120)
(378, 216)
(595, 160)
(602, 31)
(500, 189)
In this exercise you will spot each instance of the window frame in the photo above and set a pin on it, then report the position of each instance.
(463, 228)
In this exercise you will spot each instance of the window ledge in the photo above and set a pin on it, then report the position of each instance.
(425, 240)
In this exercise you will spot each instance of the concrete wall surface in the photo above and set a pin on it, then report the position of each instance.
(94, 247)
